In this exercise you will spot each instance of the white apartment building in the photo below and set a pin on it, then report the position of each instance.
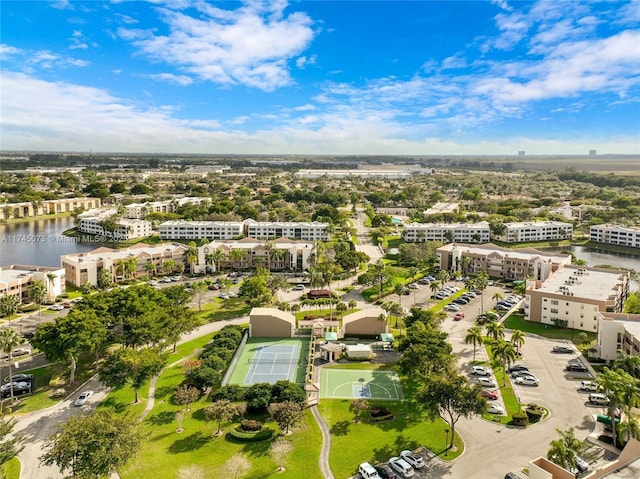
(196, 230)
(522, 232)
(618, 332)
(459, 232)
(80, 268)
(16, 280)
(141, 210)
(575, 296)
(29, 209)
(91, 222)
(612, 234)
(500, 262)
(282, 254)
(315, 231)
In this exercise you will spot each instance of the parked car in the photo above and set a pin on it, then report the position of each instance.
(486, 383)
(231, 294)
(401, 466)
(413, 286)
(452, 308)
(562, 350)
(20, 378)
(511, 475)
(581, 464)
(83, 398)
(385, 472)
(298, 287)
(490, 395)
(502, 307)
(458, 316)
(224, 296)
(19, 388)
(461, 301)
(480, 371)
(413, 459)
(56, 307)
(424, 280)
(576, 367)
(588, 386)
(495, 409)
(28, 334)
(470, 293)
(214, 287)
(518, 367)
(598, 398)
(20, 352)
(528, 381)
(521, 374)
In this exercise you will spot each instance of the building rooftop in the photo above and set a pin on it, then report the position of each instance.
(519, 224)
(441, 207)
(521, 253)
(201, 223)
(592, 283)
(480, 224)
(103, 253)
(635, 229)
(16, 272)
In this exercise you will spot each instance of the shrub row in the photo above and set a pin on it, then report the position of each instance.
(244, 436)
(216, 356)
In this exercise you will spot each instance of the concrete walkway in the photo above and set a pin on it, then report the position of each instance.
(323, 460)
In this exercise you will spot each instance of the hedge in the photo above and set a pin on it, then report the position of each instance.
(245, 436)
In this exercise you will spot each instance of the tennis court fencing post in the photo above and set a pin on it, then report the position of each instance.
(235, 358)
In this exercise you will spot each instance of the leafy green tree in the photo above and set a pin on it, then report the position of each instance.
(9, 305)
(133, 366)
(474, 337)
(279, 451)
(221, 411)
(206, 377)
(10, 444)
(627, 362)
(199, 292)
(450, 397)
(256, 291)
(425, 350)
(185, 395)
(287, 414)
(80, 331)
(9, 339)
(258, 396)
(105, 279)
(283, 391)
(563, 451)
(95, 445)
(358, 407)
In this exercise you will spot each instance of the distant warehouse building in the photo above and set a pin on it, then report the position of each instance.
(575, 296)
(459, 232)
(618, 235)
(522, 232)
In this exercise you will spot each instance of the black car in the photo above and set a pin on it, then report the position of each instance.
(20, 378)
(385, 472)
(461, 301)
(562, 350)
(577, 367)
(19, 388)
(518, 367)
(28, 334)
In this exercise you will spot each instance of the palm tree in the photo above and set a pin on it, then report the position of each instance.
(505, 353)
(120, 265)
(609, 381)
(37, 293)
(378, 270)
(628, 363)
(517, 338)
(9, 339)
(278, 255)
(398, 289)
(433, 286)
(9, 305)
(191, 255)
(495, 330)
(131, 266)
(563, 451)
(150, 268)
(474, 337)
(482, 281)
(443, 277)
(168, 265)
(236, 255)
(51, 278)
(497, 296)
(466, 261)
(629, 429)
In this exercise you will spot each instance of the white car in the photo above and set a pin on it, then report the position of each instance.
(597, 398)
(56, 307)
(480, 371)
(83, 398)
(232, 294)
(527, 381)
(413, 286)
(402, 467)
(588, 386)
(413, 459)
(486, 383)
(495, 409)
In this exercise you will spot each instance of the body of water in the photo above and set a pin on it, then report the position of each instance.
(595, 257)
(39, 242)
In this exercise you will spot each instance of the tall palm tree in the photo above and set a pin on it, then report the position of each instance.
(9, 305)
(169, 265)
(474, 337)
(378, 270)
(443, 277)
(191, 255)
(505, 353)
(482, 281)
(563, 451)
(398, 289)
(628, 363)
(278, 255)
(629, 429)
(495, 330)
(51, 279)
(37, 294)
(609, 381)
(497, 296)
(517, 338)
(9, 339)
(237, 255)
(120, 265)
(131, 266)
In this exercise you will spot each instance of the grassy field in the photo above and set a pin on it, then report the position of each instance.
(11, 469)
(220, 309)
(517, 321)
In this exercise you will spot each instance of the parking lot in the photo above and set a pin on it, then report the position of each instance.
(433, 465)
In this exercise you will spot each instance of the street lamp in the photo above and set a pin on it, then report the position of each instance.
(446, 442)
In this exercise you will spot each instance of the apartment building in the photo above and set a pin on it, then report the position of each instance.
(196, 230)
(16, 280)
(522, 232)
(80, 268)
(576, 296)
(458, 232)
(618, 235)
(500, 262)
(141, 210)
(385, 174)
(92, 222)
(618, 332)
(33, 209)
(282, 254)
(315, 231)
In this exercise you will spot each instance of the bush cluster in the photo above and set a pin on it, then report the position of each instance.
(250, 425)
(216, 356)
(520, 419)
(379, 411)
(259, 396)
(534, 412)
(239, 435)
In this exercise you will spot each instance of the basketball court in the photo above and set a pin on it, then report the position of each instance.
(360, 383)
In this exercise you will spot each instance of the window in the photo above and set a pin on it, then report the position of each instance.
(554, 302)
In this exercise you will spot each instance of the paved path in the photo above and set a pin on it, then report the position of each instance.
(323, 460)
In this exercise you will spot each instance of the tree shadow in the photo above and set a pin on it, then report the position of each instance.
(198, 415)
(165, 417)
(341, 428)
(189, 443)
(164, 392)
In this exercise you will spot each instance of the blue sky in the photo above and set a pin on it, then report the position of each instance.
(321, 77)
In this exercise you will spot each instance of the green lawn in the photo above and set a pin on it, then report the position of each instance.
(517, 321)
(11, 469)
(353, 443)
(219, 309)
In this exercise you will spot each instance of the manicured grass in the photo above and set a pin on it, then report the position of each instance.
(11, 469)
(219, 310)
(353, 443)
(164, 451)
(517, 321)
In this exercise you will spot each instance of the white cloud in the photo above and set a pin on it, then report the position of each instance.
(181, 80)
(303, 61)
(251, 45)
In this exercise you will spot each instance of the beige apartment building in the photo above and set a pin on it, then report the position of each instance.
(618, 332)
(16, 280)
(576, 296)
(81, 268)
(522, 232)
(34, 209)
(499, 262)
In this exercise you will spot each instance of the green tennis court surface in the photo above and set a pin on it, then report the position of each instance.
(267, 360)
(358, 383)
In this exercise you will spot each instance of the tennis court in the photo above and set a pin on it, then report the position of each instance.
(267, 360)
(360, 383)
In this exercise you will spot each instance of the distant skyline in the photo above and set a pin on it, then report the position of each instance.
(321, 77)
